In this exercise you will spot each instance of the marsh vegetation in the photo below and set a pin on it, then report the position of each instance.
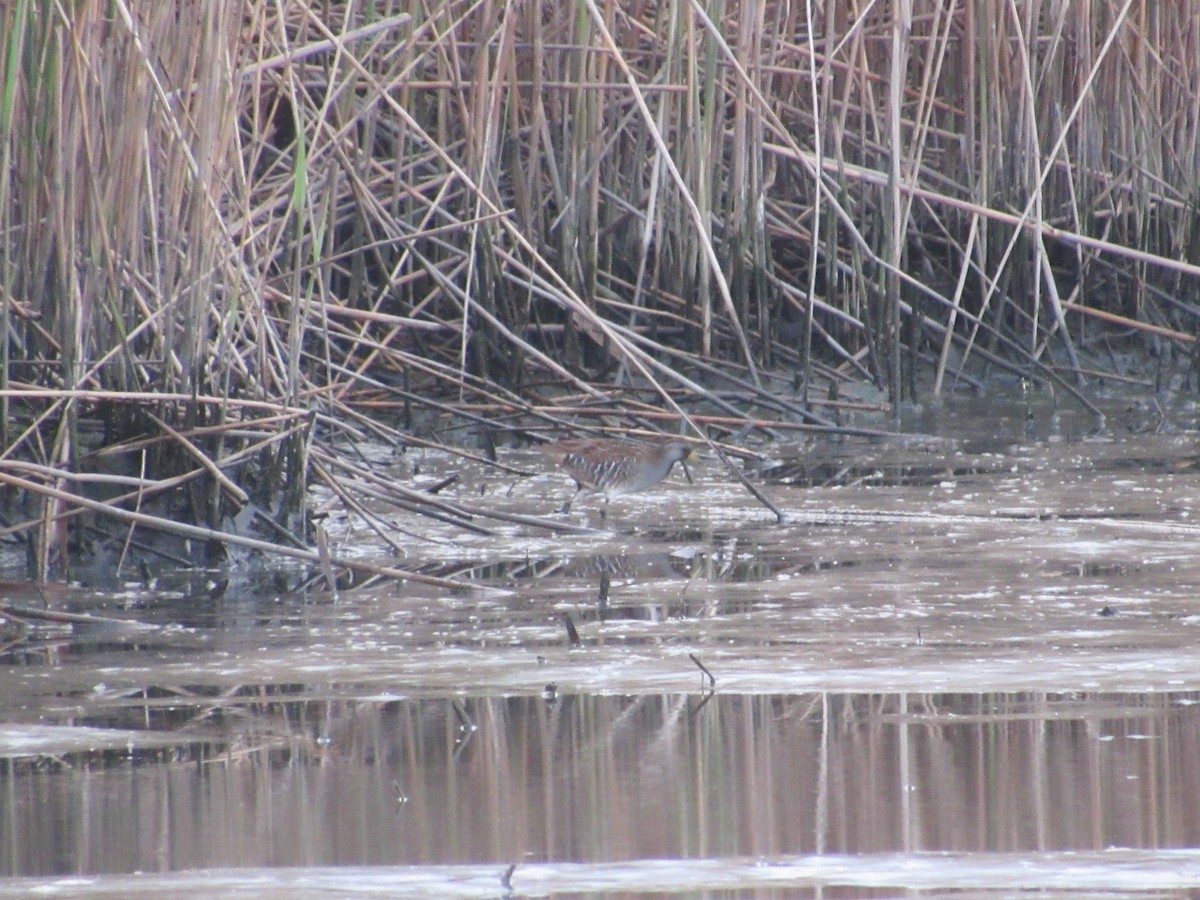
(290, 291)
(239, 239)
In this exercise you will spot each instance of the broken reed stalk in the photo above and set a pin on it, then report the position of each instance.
(355, 479)
(398, 225)
(193, 532)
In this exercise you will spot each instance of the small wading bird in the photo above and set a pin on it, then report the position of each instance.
(609, 466)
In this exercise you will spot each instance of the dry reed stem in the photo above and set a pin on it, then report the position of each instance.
(194, 532)
(300, 206)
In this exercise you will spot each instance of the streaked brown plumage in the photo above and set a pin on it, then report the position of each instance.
(609, 466)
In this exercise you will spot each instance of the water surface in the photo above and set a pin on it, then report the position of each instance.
(964, 664)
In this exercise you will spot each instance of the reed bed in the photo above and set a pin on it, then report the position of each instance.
(241, 237)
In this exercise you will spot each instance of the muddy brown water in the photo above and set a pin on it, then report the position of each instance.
(966, 665)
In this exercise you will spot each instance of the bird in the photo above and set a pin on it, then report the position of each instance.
(611, 466)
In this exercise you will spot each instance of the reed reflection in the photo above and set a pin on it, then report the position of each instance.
(599, 778)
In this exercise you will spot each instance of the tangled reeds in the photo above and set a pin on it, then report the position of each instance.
(237, 234)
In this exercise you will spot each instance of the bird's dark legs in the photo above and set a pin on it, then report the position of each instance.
(584, 489)
(579, 489)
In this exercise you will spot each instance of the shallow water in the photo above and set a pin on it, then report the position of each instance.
(964, 665)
